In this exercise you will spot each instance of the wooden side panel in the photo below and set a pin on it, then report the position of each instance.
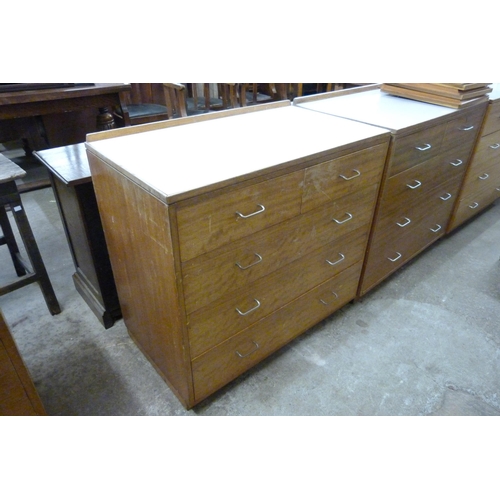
(138, 235)
(18, 395)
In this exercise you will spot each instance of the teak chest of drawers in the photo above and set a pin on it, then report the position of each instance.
(429, 153)
(231, 234)
(481, 186)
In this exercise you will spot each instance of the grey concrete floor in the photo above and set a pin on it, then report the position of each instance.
(425, 342)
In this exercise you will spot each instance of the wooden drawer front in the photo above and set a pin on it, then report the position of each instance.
(462, 131)
(488, 150)
(236, 311)
(213, 275)
(392, 246)
(484, 181)
(415, 185)
(225, 362)
(217, 221)
(416, 148)
(336, 178)
(492, 121)
(474, 203)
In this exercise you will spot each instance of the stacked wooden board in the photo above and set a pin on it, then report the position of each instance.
(453, 95)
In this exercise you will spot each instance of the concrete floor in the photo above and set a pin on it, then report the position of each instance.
(425, 342)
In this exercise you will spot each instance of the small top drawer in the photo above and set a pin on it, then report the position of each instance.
(492, 120)
(219, 220)
(416, 148)
(336, 178)
(463, 130)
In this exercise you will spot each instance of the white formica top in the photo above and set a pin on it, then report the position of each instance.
(396, 114)
(182, 161)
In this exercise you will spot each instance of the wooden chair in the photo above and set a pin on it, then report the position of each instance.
(144, 103)
(260, 93)
(197, 98)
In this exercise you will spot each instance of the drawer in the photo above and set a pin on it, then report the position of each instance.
(337, 178)
(462, 131)
(212, 223)
(473, 204)
(392, 247)
(492, 121)
(488, 149)
(416, 148)
(231, 358)
(234, 312)
(478, 182)
(213, 275)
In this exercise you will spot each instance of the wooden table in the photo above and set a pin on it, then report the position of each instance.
(46, 117)
(70, 177)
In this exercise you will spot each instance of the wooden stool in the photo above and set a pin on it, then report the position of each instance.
(10, 197)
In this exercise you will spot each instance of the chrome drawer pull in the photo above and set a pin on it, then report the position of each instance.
(423, 148)
(342, 257)
(250, 310)
(405, 224)
(358, 173)
(447, 196)
(457, 163)
(397, 258)
(418, 184)
(259, 259)
(262, 208)
(257, 346)
(349, 217)
(483, 177)
(438, 228)
(326, 303)
(497, 189)
(474, 205)
(466, 129)
(495, 146)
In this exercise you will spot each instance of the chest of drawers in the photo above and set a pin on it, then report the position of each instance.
(481, 185)
(230, 236)
(430, 150)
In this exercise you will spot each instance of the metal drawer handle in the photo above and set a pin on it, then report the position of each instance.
(447, 196)
(497, 189)
(357, 174)
(474, 205)
(483, 177)
(418, 184)
(259, 259)
(438, 228)
(405, 224)
(326, 303)
(397, 258)
(495, 146)
(466, 129)
(342, 257)
(423, 148)
(250, 310)
(262, 208)
(457, 163)
(257, 346)
(349, 217)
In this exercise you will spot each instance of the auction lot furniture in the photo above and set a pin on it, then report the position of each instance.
(59, 115)
(223, 253)
(69, 173)
(481, 185)
(18, 395)
(26, 273)
(430, 150)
